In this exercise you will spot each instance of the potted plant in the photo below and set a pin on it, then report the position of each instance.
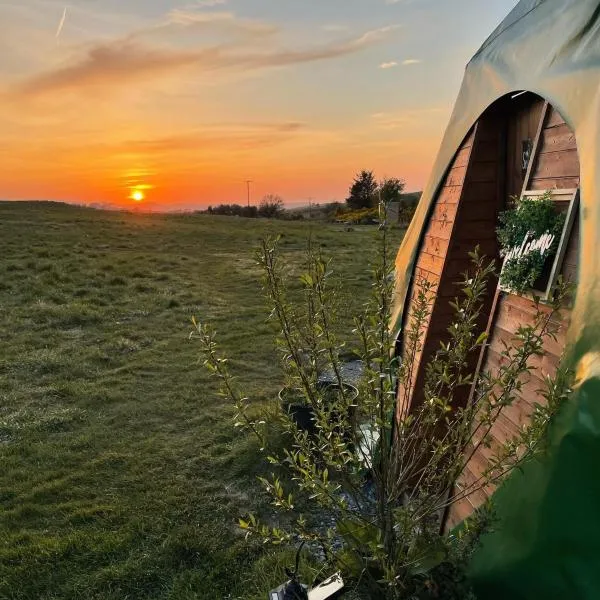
(294, 402)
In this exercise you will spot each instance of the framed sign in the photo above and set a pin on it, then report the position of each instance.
(566, 201)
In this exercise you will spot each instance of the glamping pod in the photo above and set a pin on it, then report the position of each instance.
(525, 125)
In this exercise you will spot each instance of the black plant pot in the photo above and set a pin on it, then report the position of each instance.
(302, 415)
(293, 402)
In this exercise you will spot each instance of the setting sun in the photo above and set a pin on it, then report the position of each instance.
(137, 195)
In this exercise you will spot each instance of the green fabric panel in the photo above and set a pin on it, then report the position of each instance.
(547, 541)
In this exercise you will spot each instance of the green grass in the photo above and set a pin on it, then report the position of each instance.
(121, 475)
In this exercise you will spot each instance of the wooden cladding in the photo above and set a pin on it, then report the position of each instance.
(434, 250)
(464, 215)
(523, 123)
(492, 165)
(555, 165)
(557, 162)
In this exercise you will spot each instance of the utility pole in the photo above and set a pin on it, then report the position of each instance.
(248, 182)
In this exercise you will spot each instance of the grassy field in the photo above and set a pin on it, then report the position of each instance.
(121, 475)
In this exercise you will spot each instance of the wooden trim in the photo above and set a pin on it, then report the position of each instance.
(558, 195)
(562, 245)
(484, 349)
(536, 145)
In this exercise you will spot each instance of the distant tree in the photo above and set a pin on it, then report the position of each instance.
(233, 210)
(250, 212)
(229, 210)
(362, 191)
(271, 206)
(391, 189)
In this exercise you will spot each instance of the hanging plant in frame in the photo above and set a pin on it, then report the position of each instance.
(529, 234)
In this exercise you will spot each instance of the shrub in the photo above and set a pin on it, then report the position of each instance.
(271, 207)
(370, 500)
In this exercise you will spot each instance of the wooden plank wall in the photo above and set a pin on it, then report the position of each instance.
(525, 113)
(475, 222)
(557, 165)
(435, 244)
(465, 215)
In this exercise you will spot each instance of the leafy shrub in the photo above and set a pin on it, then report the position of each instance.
(370, 499)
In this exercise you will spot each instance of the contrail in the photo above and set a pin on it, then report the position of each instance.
(62, 23)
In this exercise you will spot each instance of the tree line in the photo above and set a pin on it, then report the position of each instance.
(364, 197)
(270, 207)
(367, 192)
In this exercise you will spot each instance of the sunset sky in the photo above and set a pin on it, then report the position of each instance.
(181, 102)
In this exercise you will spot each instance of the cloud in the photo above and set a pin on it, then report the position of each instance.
(106, 65)
(411, 61)
(193, 17)
(388, 65)
(206, 3)
(375, 35)
(230, 137)
(62, 23)
(123, 62)
(179, 16)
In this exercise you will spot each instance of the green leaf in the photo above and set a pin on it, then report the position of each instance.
(352, 563)
(482, 338)
(358, 533)
(427, 556)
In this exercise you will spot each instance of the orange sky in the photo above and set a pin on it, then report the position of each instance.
(184, 102)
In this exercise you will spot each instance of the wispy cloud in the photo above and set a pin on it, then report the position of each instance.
(61, 24)
(181, 16)
(388, 65)
(411, 61)
(108, 64)
(194, 17)
(238, 137)
(376, 35)
(121, 62)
